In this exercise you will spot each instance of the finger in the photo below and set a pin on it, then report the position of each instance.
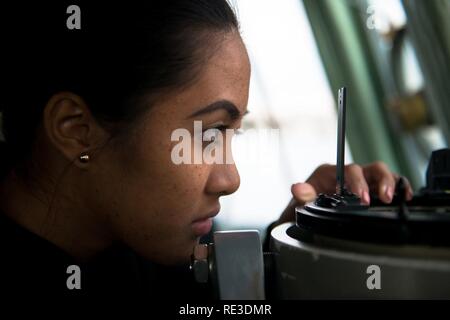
(303, 192)
(323, 179)
(356, 182)
(381, 179)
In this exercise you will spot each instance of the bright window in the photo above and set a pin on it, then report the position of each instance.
(289, 91)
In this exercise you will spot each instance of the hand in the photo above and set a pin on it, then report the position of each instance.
(374, 178)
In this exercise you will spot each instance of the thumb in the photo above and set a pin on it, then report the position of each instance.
(303, 192)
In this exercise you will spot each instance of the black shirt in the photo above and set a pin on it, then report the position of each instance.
(33, 266)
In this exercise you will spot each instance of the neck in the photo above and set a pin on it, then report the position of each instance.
(55, 216)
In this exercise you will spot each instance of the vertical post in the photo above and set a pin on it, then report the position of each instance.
(342, 100)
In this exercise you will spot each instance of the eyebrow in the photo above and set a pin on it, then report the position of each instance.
(226, 105)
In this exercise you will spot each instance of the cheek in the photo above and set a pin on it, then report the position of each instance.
(155, 201)
(155, 181)
(158, 221)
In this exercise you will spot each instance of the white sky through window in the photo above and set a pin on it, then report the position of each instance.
(289, 91)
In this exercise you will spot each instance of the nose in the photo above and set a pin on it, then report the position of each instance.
(223, 179)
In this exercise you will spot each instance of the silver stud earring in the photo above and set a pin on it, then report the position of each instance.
(84, 158)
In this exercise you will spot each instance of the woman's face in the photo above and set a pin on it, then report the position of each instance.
(159, 207)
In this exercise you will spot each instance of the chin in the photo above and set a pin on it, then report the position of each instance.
(176, 258)
(172, 255)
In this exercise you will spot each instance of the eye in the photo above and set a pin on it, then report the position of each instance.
(212, 134)
(222, 128)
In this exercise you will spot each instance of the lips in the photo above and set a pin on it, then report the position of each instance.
(203, 225)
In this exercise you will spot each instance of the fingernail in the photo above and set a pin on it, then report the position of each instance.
(307, 194)
(302, 193)
(389, 192)
(305, 189)
(366, 197)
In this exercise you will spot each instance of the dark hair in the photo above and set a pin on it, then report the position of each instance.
(122, 52)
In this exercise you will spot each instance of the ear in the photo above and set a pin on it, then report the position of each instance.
(70, 126)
